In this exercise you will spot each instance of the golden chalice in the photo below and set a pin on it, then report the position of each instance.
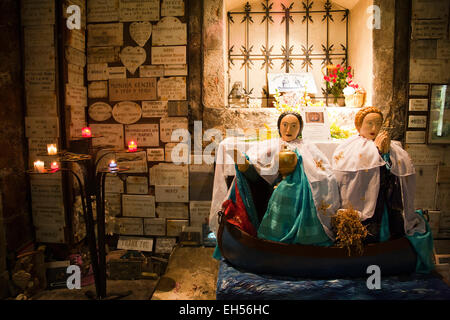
(287, 161)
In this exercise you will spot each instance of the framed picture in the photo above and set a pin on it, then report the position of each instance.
(439, 115)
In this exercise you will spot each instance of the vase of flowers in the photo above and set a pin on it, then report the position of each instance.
(337, 78)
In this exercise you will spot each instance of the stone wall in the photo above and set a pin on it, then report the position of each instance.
(13, 180)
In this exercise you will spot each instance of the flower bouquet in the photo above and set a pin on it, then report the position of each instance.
(337, 79)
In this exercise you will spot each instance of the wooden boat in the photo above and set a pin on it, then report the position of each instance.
(261, 256)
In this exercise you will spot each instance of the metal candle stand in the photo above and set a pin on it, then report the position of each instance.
(94, 186)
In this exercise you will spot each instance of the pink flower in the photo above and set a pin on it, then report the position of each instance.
(341, 69)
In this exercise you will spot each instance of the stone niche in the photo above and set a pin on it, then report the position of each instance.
(373, 65)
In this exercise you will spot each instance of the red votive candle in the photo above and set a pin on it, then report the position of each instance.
(86, 132)
(132, 146)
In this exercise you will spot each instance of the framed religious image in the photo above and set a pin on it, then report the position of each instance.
(314, 117)
(439, 118)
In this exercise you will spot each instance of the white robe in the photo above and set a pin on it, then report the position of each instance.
(356, 163)
(317, 169)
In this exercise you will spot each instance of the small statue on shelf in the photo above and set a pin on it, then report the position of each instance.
(377, 178)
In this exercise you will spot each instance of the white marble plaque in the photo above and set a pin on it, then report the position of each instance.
(127, 112)
(172, 210)
(77, 120)
(39, 104)
(40, 58)
(103, 54)
(428, 71)
(149, 71)
(145, 135)
(102, 10)
(37, 12)
(418, 90)
(113, 184)
(165, 245)
(41, 127)
(136, 205)
(154, 109)
(140, 32)
(137, 185)
(443, 49)
(424, 154)
(136, 162)
(132, 57)
(110, 135)
(167, 125)
(104, 35)
(155, 227)
(173, 88)
(429, 29)
(98, 89)
(47, 199)
(169, 55)
(76, 95)
(418, 104)
(40, 35)
(76, 39)
(100, 111)
(415, 136)
(131, 226)
(181, 151)
(117, 73)
(75, 74)
(50, 233)
(169, 31)
(114, 203)
(38, 81)
(132, 89)
(417, 121)
(175, 70)
(136, 244)
(174, 227)
(138, 10)
(171, 193)
(425, 187)
(75, 56)
(199, 211)
(97, 71)
(172, 8)
(155, 154)
(170, 175)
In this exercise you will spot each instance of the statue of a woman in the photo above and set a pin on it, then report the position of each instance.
(299, 209)
(376, 177)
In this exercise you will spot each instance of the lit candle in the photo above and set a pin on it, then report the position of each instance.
(51, 149)
(86, 132)
(39, 166)
(132, 146)
(113, 165)
(54, 165)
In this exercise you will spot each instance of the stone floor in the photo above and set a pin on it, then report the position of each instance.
(190, 275)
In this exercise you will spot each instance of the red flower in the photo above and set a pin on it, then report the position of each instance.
(341, 69)
(350, 75)
(338, 66)
(334, 80)
(327, 78)
(349, 68)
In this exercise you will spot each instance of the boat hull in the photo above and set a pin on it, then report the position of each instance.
(262, 256)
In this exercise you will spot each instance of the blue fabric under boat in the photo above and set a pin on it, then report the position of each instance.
(237, 285)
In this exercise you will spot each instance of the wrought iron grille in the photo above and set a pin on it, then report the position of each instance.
(295, 30)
